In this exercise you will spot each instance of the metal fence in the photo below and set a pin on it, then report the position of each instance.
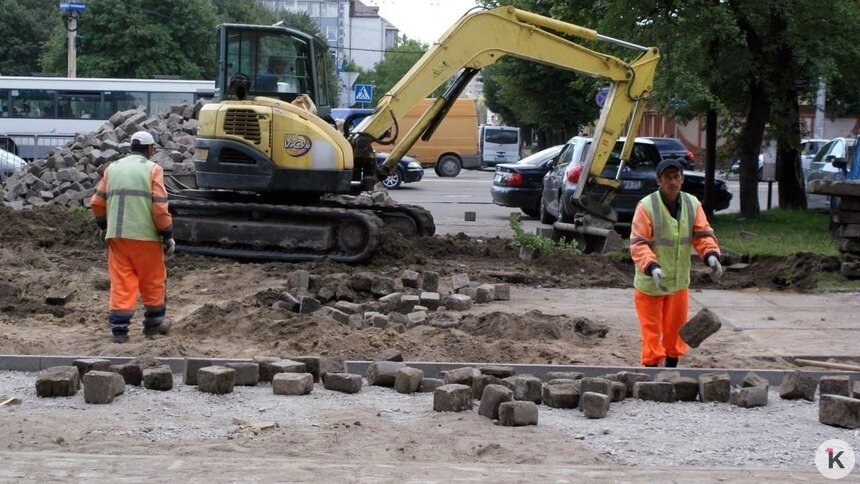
(32, 146)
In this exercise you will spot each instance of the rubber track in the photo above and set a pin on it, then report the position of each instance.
(370, 221)
(421, 216)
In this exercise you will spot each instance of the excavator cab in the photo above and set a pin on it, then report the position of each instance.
(272, 61)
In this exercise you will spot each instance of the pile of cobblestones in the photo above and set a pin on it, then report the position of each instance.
(68, 175)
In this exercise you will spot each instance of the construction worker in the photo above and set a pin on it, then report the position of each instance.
(666, 225)
(130, 207)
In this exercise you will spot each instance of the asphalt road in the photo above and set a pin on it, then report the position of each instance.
(449, 198)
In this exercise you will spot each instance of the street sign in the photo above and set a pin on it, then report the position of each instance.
(600, 98)
(72, 7)
(363, 93)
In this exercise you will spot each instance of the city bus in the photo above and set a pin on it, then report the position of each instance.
(40, 113)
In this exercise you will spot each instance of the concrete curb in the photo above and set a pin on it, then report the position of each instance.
(774, 377)
(32, 363)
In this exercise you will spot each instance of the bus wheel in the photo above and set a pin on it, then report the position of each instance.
(449, 166)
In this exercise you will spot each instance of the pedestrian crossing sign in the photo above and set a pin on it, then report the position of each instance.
(363, 93)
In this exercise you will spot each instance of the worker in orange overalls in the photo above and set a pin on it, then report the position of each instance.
(130, 207)
(666, 225)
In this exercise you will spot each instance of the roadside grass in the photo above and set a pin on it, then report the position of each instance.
(777, 232)
(781, 232)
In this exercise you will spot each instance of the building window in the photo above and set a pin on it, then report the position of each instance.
(331, 34)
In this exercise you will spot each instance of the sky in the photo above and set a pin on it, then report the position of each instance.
(423, 20)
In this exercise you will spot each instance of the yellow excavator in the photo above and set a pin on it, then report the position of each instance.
(277, 180)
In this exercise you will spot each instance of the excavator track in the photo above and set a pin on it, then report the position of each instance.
(274, 232)
(408, 220)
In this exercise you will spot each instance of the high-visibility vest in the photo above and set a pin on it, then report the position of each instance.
(129, 199)
(672, 243)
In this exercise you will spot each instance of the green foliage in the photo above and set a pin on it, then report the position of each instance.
(778, 232)
(543, 244)
(396, 63)
(24, 26)
(141, 39)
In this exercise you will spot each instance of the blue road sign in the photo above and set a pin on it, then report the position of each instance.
(73, 7)
(363, 93)
(600, 98)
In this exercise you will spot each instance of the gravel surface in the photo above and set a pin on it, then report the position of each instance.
(785, 434)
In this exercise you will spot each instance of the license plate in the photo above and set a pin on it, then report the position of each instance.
(631, 184)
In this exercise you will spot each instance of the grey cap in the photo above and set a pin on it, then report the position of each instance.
(671, 163)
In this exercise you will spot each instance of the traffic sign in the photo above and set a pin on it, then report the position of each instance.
(72, 7)
(363, 93)
(600, 98)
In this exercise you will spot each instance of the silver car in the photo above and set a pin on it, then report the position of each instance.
(821, 168)
(10, 163)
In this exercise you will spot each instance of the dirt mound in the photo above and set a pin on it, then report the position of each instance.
(47, 227)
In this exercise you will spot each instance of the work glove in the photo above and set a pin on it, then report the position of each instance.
(657, 275)
(169, 247)
(716, 268)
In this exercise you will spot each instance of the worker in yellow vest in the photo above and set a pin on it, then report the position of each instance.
(130, 207)
(667, 225)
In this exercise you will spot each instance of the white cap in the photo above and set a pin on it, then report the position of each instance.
(143, 138)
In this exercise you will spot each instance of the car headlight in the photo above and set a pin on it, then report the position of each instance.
(413, 165)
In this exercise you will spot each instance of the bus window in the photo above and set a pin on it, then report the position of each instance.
(32, 103)
(78, 105)
(5, 110)
(159, 102)
(116, 101)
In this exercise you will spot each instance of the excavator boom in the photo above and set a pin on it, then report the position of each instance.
(481, 38)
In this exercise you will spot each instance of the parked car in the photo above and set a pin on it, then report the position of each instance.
(519, 184)
(808, 149)
(821, 167)
(408, 171)
(10, 163)
(8, 144)
(638, 180)
(673, 148)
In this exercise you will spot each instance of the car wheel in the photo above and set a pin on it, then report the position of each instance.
(545, 217)
(448, 166)
(562, 213)
(393, 180)
(531, 212)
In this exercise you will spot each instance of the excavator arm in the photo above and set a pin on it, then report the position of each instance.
(482, 37)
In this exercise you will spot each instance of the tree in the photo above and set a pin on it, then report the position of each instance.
(25, 26)
(141, 39)
(743, 58)
(394, 65)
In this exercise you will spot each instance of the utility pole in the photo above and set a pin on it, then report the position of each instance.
(71, 14)
(819, 108)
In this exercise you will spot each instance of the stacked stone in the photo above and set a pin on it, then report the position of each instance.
(68, 176)
(846, 220)
(364, 300)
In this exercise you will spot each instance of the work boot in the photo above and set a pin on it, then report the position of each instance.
(671, 362)
(162, 327)
(120, 338)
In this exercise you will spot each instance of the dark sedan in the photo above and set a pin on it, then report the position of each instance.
(408, 171)
(519, 184)
(638, 180)
(673, 148)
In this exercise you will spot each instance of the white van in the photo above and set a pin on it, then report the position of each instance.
(499, 144)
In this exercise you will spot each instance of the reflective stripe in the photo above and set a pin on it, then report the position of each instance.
(159, 199)
(642, 240)
(121, 313)
(101, 194)
(691, 216)
(698, 234)
(129, 192)
(120, 215)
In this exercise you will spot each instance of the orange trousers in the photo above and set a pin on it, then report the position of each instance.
(135, 267)
(660, 319)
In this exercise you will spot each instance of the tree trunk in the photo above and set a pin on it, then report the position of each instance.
(789, 170)
(710, 161)
(749, 147)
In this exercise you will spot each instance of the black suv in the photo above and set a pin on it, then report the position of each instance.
(673, 148)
